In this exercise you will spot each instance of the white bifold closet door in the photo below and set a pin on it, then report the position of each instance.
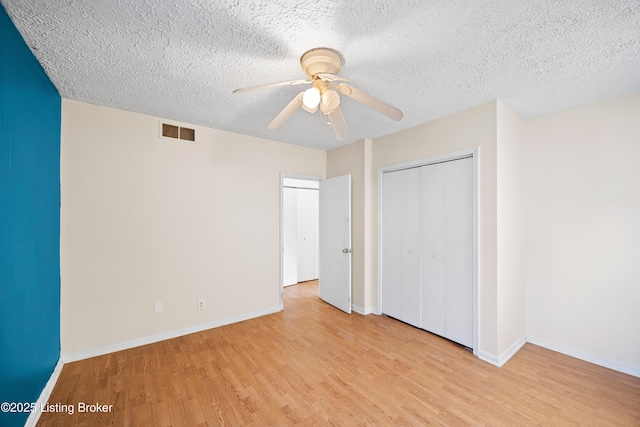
(401, 240)
(290, 236)
(307, 245)
(427, 248)
(447, 250)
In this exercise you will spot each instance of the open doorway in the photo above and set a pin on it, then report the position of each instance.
(300, 230)
(323, 252)
(300, 250)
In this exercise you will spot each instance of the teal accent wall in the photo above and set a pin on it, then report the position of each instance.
(30, 108)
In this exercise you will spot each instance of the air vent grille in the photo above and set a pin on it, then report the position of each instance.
(170, 131)
(178, 132)
(187, 134)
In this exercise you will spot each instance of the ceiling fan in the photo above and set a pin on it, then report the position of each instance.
(321, 65)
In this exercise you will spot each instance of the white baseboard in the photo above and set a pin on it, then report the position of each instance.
(34, 416)
(357, 309)
(504, 357)
(360, 310)
(150, 339)
(578, 354)
(512, 350)
(489, 358)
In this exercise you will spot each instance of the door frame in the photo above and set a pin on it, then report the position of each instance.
(283, 176)
(474, 153)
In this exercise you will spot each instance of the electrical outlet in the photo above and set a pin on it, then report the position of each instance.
(201, 304)
(157, 307)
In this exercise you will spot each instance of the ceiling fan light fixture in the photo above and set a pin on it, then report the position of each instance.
(311, 98)
(310, 110)
(321, 65)
(330, 101)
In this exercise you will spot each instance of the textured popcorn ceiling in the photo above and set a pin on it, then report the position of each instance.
(181, 59)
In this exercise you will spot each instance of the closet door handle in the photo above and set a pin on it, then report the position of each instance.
(346, 251)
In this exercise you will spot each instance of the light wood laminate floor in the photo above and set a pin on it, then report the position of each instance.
(314, 365)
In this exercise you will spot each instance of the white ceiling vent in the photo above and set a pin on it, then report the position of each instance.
(177, 132)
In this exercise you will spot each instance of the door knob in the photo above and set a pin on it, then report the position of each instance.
(346, 251)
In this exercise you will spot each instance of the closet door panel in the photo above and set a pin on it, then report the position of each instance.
(391, 243)
(306, 236)
(433, 248)
(289, 236)
(411, 243)
(458, 251)
(401, 245)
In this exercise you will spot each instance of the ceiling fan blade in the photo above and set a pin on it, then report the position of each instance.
(371, 101)
(268, 85)
(332, 77)
(339, 124)
(286, 112)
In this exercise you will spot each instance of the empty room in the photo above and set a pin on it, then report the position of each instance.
(229, 213)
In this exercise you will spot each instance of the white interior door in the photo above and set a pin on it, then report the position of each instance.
(335, 242)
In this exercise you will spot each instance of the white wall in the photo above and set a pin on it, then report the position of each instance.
(582, 234)
(510, 221)
(146, 219)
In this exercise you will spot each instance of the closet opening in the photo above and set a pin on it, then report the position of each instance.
(428, 245)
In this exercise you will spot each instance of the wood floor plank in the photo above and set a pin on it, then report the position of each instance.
(313, 365)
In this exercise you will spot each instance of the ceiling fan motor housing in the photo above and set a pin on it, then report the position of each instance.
(322, 60)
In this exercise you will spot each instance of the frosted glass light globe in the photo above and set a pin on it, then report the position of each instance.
(311, 98)
(330, 101)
